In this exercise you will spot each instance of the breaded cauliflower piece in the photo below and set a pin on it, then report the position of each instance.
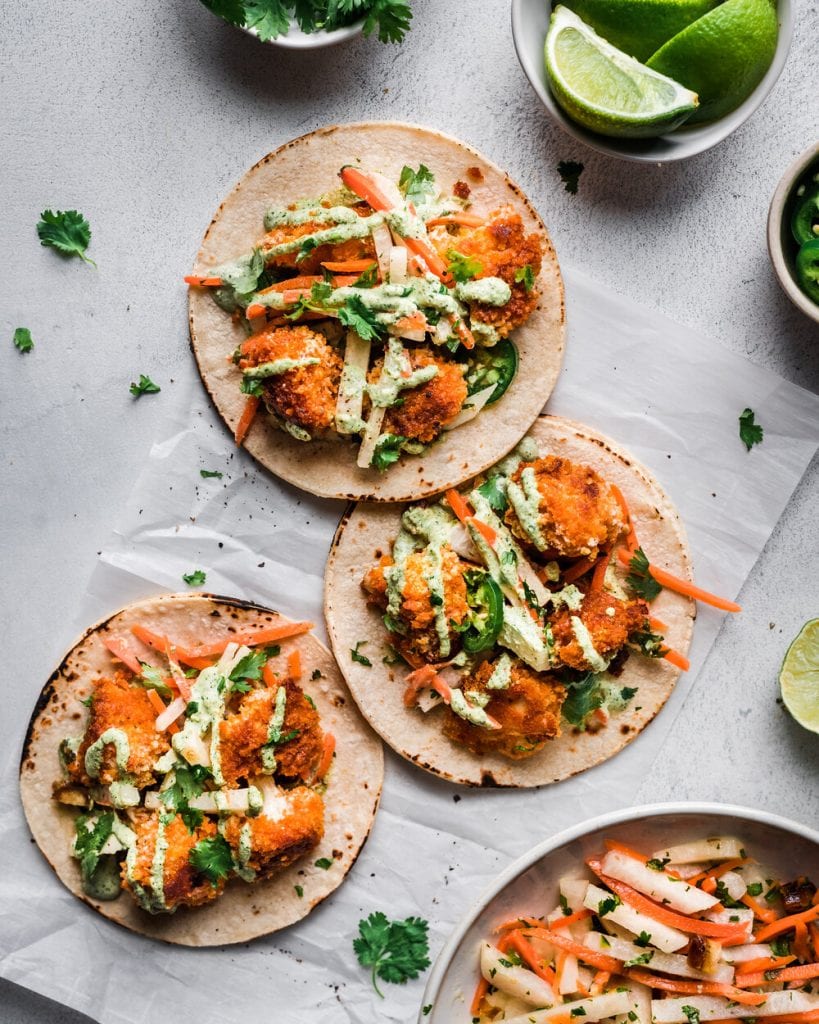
(117, 704)
(528, 711)
(578, 512)
(428, 408)
(609, 621)
(306, 395)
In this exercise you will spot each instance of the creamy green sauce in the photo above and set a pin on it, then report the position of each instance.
(463, 706)
(521, 634)
(158, 863)
(569, 597)
(490, 291)
(255, 801)
(278, 366)
(597, 663)
(295, 431)
(403, 223)
(501, 674)
(274, 730)
(360, 227)
(485, 335)
(93, 755)
(247, 874)
(525, 500)
(281, 217)
(385, 391)
(209, 697)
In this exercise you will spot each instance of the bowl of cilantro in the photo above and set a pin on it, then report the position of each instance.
(300, 25)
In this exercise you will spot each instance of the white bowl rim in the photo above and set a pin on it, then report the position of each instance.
(524, 862)
(700, 138)
(296, 39)
(776, 213)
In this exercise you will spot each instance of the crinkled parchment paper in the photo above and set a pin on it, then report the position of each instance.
(668, 394)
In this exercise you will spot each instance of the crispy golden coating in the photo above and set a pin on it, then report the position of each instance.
(503, 248)
(428, 408)
(116, 704)
(354, 249)
(610, 622)
(306, 395)
(244, 732)
(417, 611)
(277, 839)
(182, 884)
(528, 711)
(578, 511)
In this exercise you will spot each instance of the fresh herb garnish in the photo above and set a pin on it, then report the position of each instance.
(396, 950)
(324, 863)
(643, 939)
(417, 185)
(510, 959)
(89, 842)
(463, 268)
(628, 692)
(494, 490)
(299, 891)
(638, 961)
(22, 339)
(67, 231)
(188, 783)
(367, 278)
(650, 644)
(144, 386)
(656, 864)
(578, 1011)
(196, 578)
(692, 1013)
(570, 171)
(609, 904)
(525, 276)
(585, 696)
(212, 858)
(206, 474)
(358, 657)
(750, 433)
(755, 888)
(360, 318)
(640, 579)
(387, 451)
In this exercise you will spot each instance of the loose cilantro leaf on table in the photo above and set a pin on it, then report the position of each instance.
(212, 858)
(67, 231)
(387, 451)
(195, 578)
(396, 950)
(640, 579)
(22, 339)
(750, 432)
(144, 386)
(206, 474)
(570, 171)
(463, 268)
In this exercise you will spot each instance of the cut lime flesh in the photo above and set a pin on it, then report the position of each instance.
(799, 677)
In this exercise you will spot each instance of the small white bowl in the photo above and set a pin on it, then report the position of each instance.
(529, 886)
(295, 39)
(530, 21)
(780, 241)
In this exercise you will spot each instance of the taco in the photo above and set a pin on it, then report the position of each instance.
(512, 634)
(377, 312)
(195, 771)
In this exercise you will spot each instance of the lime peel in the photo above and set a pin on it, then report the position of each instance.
(799, 677)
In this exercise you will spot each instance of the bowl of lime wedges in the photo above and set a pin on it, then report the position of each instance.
(652, 80)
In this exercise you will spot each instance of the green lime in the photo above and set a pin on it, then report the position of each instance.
(639, 27)
(723, 56)
(799, 677)
(604, 89)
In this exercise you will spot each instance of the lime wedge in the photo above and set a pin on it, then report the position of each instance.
(723, 55)
(604, 89)
(799, 677)
(639, 27)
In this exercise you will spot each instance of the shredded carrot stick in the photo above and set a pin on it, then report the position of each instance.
(764, 915)
(168, 648)
(698, 988)
(784, 924)
(327, 751)
(631, 537)
(580, 568)
(266, 635)
(350, 266)
(678, 660)
(203, 281)
(657, 625)
(246, 419)
(763, 963)
(485, 531)
(803, 972)
(599, 574)
(458, 505)
(269, 676)
(294, 665)
(467, 220)
(425, 676)
(570, 919)
(680, 586)
(589, 956)
(800, 942)
(465, 335)
(530, 957)
(521, 922)
(709, 885)
(628, 851)
(601, 979)
(122, 653)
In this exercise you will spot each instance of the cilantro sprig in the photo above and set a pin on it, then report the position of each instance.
(22, 339)
(750, 432)
(212, 858)
(144, 386)
(389, 19)
(387, 451)
(463, 268)
(395, 950)
(67, 231)
(640, 579)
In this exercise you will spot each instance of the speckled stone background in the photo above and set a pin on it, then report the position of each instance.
(142, 115)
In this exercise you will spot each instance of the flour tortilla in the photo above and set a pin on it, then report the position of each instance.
(309, 166)
(368, 530)
(243, 911)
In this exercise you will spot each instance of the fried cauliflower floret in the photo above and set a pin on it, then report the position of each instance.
(353, 249)
(417, 612)
(503, 249)
(116, 704)
(183, 885)
(578, 512)
(244, 732)
(305, 395)
(528, 711)
(428, 408)
(609, 621)
(290, 825)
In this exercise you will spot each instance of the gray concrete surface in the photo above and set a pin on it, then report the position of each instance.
(143, 115)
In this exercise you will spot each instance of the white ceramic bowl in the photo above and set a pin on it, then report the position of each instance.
(295, 39)
(530, 20)
(529, 886)
(781, 245)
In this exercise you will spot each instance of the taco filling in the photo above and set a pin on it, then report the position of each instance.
(379, 313)
(204, 766)
(507, 605)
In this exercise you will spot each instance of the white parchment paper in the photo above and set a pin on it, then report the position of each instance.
(668, 394)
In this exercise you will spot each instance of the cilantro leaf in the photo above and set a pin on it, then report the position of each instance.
(570, 171)
(298, 890)
(268, 17)
(233, 11)
(188, 783)
(145, 386)
(90, 841)
(638, 961)
(67, 231)
(494, 490)
(355, 315)
(387, 451)
(642, 939)
(585, 696)
(195, 578)
(206, 474)
(417, 185)
(367, 278)
(396, 950)
(360, 658)
(750, 433)
(463, 268)
(692, 1013)
(324, 863)
(640, 579)
(391, 17)
(250, 667)
(652, 645)
(22, 339)
(628, 692)
(525, 276)
(212, 858)
(608, 905)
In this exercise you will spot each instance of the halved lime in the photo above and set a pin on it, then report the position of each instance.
(604, 89)
(723, 55)
(639, 27)
(799, 677)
